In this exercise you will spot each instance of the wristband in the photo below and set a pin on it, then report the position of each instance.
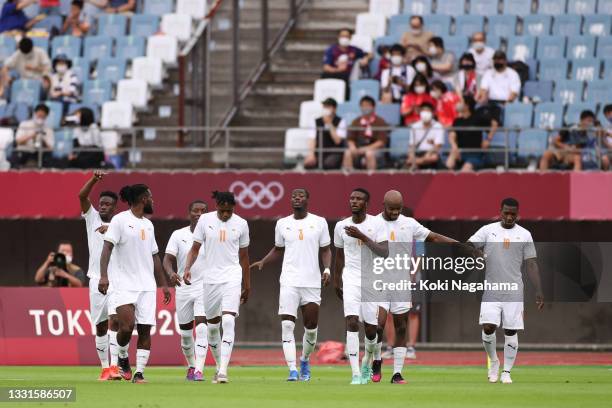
(327, 271)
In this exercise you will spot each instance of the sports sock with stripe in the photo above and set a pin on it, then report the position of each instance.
(489, 341)
(352, 349)
(288, 338)
(201, 346)
(102, 349)
(510, 350)
(309, 341)
(187, 346)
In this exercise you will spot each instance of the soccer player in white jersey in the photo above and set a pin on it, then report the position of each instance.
(189, 298)
(96, 224)
(400, 229)
(131, 239)
(225, 237)
(350, 236)
(506, 246)
(299, 239)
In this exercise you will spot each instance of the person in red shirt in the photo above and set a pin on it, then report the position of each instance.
(418, 93)
(447, 101)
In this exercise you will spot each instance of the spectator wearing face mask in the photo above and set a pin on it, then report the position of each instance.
(396, 79)
(417, 39)
(385, 60)
(422, 66)
(60, 271)
(442, 61)
(340, 58)
(64, 83)
(366, 138)
(465, 81)
(418, 93)
(501, 84)
(31, 136)
(483, 55)
(426, 140)
(88, 139)
(30, 62)
(446, 102)
(13, 18)
(331, 130)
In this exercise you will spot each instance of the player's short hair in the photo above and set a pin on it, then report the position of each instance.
(397, 48)
(427, 105)
(194, 202)
(131, 194)
(110, 194)
(510, 202)
(367, 99)
(412, 17)
(587, 114)
(438, 42)
(364, 191)
(224, 197)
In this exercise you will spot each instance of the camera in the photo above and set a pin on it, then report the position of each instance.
(59, 260)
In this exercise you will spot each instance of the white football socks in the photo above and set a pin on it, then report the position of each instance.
(370, 348)
(142, 357)
(489, 341)
(378, 351)
(227, 342)
(201, 346)
(309, 341)
(510, 350)
(214, 342)
(187, 346)
(113, 346)
(399, 355)
(288, 339)
(102, 349)
(352, 349)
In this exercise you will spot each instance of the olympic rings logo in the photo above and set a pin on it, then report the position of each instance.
(257, 193)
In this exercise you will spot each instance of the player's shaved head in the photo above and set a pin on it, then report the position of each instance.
(393, 203)
(393, 197)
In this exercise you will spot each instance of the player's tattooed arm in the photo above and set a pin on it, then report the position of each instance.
(338, 268)
(192, 255)
(243, 253)
(169, 264)
(533, 271)
(326, 258)
(107, 250)
(86, 190)
(275, 254)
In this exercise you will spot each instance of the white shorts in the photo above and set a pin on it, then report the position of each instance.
(353, 306)
(292, 297)
(99, 304)
(189, 303)
(221, 297)
(396, 308)
(144, 304)
(510, 314)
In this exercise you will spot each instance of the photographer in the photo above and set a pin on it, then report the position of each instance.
(59, 271)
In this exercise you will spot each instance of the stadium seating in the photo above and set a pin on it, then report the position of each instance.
(67, 45)
(362, 41)
(437, 23)
(568, 91)
(385, 7)
(607, 69)
(177, 25)
(597, 25)
(97, 47)
(49, 23)
(194, 8)
(54, 119)
(158, 7)
(456, 44)
(539, 91)
(572, 115)
(604, 47)
(26, 91)
(548, 115)
(567, 25)
(114, 25)
(329, 88)
(552, 7)
(390, 112)
(97, 91)
(399, 144)
(598, 92)
(371, 25)
(150, 69)
(81, 67)
(451, 7)
(581, 47)
(532, 143)
(518, 115)
(363, 87)
(586, 69)
(62, 146)
(502, 26)
(604, 7)
(111, 69)
(117, 115)
(130, 47)
(517, 7)
(521, 48)
(553, 69)
(417, 7)
(41, 42)
(134, 91)
(144, 25)
(296, 145)
(164, 47)
(551, 46)
(349, 111)
(309, 111)
(483, 7)
(581, 6)
(7, 47)
(537, 24)
(468, 24)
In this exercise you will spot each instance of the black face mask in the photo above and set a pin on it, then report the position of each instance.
(499, 65)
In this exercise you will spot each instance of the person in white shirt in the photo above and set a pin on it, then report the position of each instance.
(482, 53)
(350, 236)
(131, 239)
(96, 224)
(189, 298)
(300, 238)
(506, 246)
(501, 84)
(426, 140)
(225, 237)
(395, 80)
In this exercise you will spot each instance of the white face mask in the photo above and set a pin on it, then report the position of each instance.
(432, 50)
(397, 60)
(435, 94)
(388, 56)
(327, 112)
(61, 69)
(416, 31)
(39, 121)
(478, 45)
(420, 89)
(421, 67)
(68, 259)
(344, 41)
(426, 116)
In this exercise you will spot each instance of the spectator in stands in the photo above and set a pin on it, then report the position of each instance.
(120, 6)
(50, 7)
(76, 24)
(442, 61)
(31, 136)
(384, 62)
(30, 62)
(92, 9)
(365, 144)
(468, 139)
(501, 84)
(396, 79)
(64, 83)
(446, 102)
(607, 111)
(46, 87)
(482, 53)
(422, 66)
(418, 93)
(340, 58)
(4, 82)
(331, 130)
(87, 136)
(417, 39)
(12, 18)
(426, 140)
(465, 80)
(58, 270)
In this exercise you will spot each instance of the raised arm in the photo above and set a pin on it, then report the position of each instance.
(533, 271)
(40, 276)
(161, 278)
(86, 190)
(243, 254)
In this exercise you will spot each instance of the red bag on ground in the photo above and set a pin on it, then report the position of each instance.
(331, 352)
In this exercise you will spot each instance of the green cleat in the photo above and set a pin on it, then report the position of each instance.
(366, 374)
(356, 380)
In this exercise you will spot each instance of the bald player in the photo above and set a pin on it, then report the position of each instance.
(400, 229)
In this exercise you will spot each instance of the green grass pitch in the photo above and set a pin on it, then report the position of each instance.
(457, 387)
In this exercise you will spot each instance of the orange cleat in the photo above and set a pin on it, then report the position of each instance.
(114, 373)
(104, 375)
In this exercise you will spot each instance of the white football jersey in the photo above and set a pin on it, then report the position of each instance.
(179, 245)
(95, 243)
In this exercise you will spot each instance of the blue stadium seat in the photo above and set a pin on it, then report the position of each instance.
(348, 111)
(112, 69)
(521, 48)
(65, 7)
(97, 47)
(597, 25)
(456, 44)
(97, 92)
(553, 69)
(66, 44)
(551, 46)
(539, 91)
(158, 7)
(390, 112)
(532, 64)
(581, 47)
(363, 87)
(113, 25)
(517, 7)
(54, 120)
(586, 69)
(399, 144)
(568, 91)
(532, 143)
(483, 7)
(466, 25)
(604, 7)
(450, 7)
(496, 156)
(417, 7)
(537, 24)
(581, 6)
(438, 24)
(130, 47)
(598, 92)
(63, 143)
(574, 110)
(502, 26)
(144, 25)
(567, 25)
(26, 91)
(7, 47)
(518, 115)
(552, 7)
(41, 42)
(607, 69)
(548, 115)
(388, 40)
(398, 24)
(81, 68)
(73, 107)
(49, 22)
(604, 47)
(373, 65)
(494, 41)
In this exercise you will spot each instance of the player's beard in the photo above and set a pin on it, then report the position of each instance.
(148, 209)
